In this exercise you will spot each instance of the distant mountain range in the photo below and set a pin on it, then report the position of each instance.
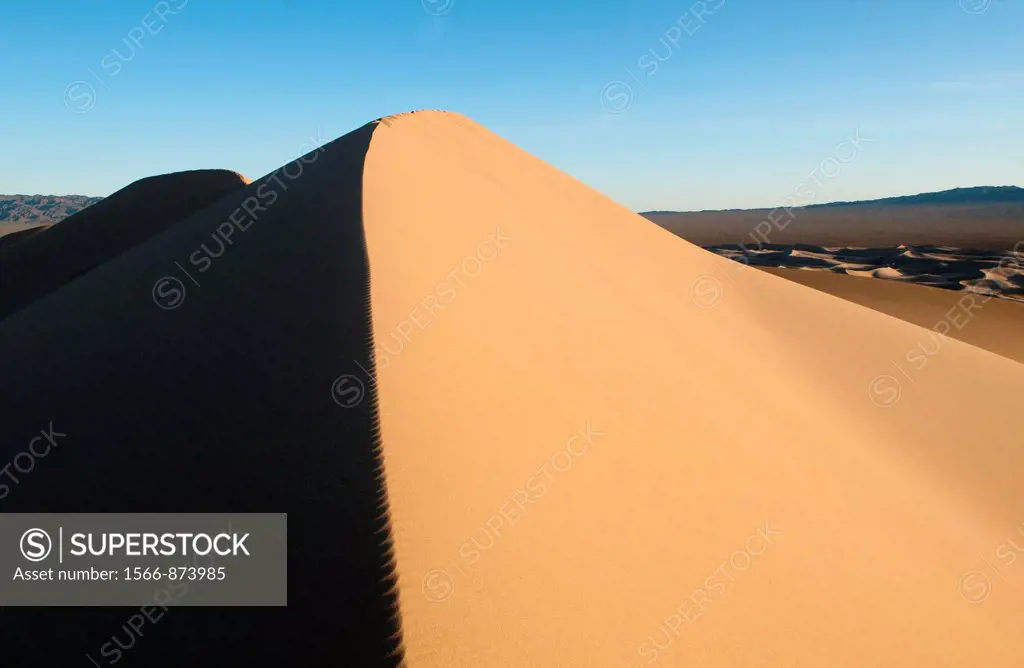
(985, 217)
(41, 208)
(974, 195)
(53, 208)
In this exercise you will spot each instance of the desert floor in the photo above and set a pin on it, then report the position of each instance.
(981, 320)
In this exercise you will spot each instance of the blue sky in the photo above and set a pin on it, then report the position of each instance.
(659, 104)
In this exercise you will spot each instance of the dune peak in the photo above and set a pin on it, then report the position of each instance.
(40, 263)
(541, 429)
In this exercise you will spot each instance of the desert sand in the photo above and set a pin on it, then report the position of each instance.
(982, 320)
(12, 233)
(716, 425)
(9, 229)
(996, 273)
(515, 424)
(33, 264)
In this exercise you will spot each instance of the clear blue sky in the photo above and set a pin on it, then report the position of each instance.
(743, 107)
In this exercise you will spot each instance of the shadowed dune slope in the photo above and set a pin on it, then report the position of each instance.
(14, 229)
(12, 233)
(222, 404)
(50, 258)
(587, 469)
(558, 459)
(981, 320)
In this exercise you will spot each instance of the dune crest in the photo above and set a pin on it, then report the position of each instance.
(515, 424)
(35, 265)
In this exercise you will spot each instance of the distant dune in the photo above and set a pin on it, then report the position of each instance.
(552, 434)
(34, 263)
(996, 273)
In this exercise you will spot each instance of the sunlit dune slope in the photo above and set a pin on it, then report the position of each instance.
(981, 320)
(586, 467)
(46, 260)
(515, 424)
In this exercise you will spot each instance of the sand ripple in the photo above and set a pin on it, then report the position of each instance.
(987, 272)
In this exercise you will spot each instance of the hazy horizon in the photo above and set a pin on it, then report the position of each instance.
(752, 208)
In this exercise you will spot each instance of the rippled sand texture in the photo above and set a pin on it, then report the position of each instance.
(997, 273)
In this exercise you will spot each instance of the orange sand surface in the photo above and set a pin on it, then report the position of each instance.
(588, 467)
(982, 320)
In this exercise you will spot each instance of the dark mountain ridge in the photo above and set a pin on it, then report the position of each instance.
(42, 208)
(971, 195)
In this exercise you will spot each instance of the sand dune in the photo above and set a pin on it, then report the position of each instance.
(7, 229)
(579, 440)
(981, 320)
(12, 233)
(35, 264)
(217, 401)
(714, 424)
(997, 273)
